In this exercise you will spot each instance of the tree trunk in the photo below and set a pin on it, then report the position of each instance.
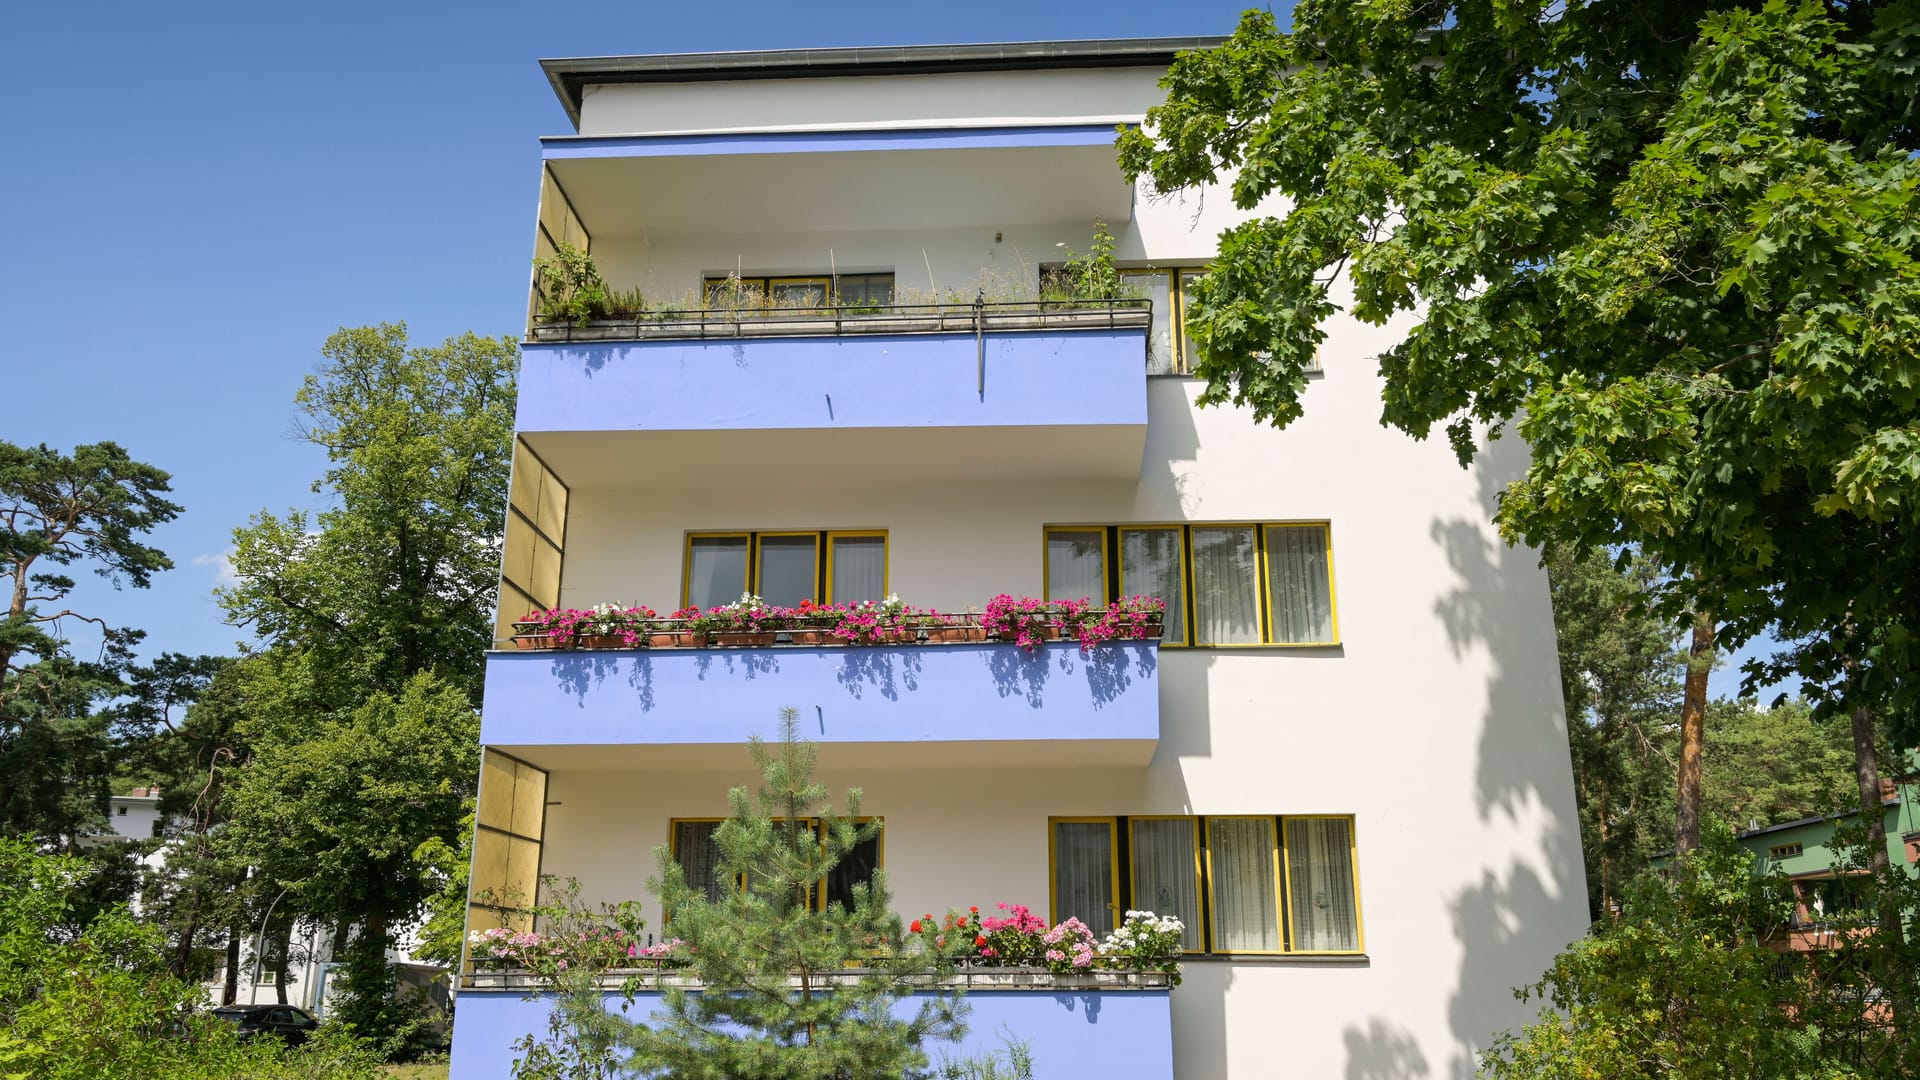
(1866, 770)
(1606, 851)
(230, 993)
(1693, 736)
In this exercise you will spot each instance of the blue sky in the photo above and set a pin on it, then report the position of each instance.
(198, 194)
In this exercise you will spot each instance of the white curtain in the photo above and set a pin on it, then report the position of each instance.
(1246, 916)
(859, 568)
(698, 856)
(1083, 873)
(1298, 584)
(1075, 569)
(1320, 885)
(1157, 286)
(1150, 565)
(1163, 873)
(1226, 586)
(787, 568)
(716, 570)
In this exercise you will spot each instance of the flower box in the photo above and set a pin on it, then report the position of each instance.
(676, 639)
(744, 638)
(535, 641)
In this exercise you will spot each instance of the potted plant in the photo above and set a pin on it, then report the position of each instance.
(747, 622)
(812, 624)
(684, 628)
(1022, 619)
(610, 627)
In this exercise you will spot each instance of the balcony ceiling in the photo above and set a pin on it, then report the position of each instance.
(874, 189)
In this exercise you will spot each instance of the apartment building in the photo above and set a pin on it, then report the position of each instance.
(1343, 765)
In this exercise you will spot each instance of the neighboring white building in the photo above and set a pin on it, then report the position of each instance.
(1346, 766)
(133, 816)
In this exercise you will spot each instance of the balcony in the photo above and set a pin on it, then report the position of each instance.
(1111, 1030)
(988, 704)
(978, 391)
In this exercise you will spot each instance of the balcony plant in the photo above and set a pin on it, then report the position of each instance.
(1126, 618)
(1145, 942)
(748, 621)
(682, 627)
(1025, 620)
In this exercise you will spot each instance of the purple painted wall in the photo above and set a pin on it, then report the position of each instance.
(1047, 378)
(1100, 1033)
(939, 693)
(555, 147)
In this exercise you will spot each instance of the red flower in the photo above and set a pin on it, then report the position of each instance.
(981, 940)
(975, 910)
(914, 926)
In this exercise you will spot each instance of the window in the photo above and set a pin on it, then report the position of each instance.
(1076, 564)
(1224, 584)
(509, 825)
(785, 567)
(1784, 851)
(1085, 871)
(1169, 350)
(691, 841)
(1239, 883)
(799, 291)
(536, 537)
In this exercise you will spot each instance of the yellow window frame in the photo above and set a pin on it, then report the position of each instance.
(818, 898)
(1182, 351)
(1353, 869)
(753, 558)
(886, 558)
(1260, 587)
(686, 562)
(824, 281)
(1199, 868)
(1279, 900)
(1186, 593)
(1266, 584)
(1046, 558)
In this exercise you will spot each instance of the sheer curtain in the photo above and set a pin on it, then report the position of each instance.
(1083, 873)
(1298, 584)
(1075, 568)
(1246, 916)
(1226, 586)
(1163, 872)
(787, 568)
(1320, 885)
(699, 858)
(716, 570)
(859, 568)
(1157, 286)
(1150, 566)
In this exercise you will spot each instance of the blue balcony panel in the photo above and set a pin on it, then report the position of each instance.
(1100, 1034)
(985, 704)
(1068, 403)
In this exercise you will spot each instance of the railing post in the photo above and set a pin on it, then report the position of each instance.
(980, 340)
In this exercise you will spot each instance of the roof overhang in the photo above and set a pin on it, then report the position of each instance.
(570, 76)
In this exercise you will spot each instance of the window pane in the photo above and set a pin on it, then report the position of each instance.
(518, 564)
(1075, 568)
(552, 517)
(859, 568)
(524, 491)
(1320, 902)
(855, 868)
(800, 294)
(1183, 348)
(716, 570)
(545, 585)
(1246, 916)
(856, 290)
(787, 567)
(1083, 873)
(1157, 286)
(699, 858)
(1164, 879)
(1298, 584)
(1226, 587)
(1150, 565)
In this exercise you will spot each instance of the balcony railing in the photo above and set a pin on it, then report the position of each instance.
(979, 317)
(967, 976)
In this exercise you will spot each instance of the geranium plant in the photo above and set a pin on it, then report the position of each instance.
(1145, 942)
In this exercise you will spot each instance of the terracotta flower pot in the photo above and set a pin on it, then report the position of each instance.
(814, 637)
(675, 639)
(535, 641)
(744, 638)
(602, 641)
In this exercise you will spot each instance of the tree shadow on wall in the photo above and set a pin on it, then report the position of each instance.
(1108, 670)
(1528, 904)
(884, 671)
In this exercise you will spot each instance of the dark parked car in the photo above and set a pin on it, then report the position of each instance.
(283, 1021)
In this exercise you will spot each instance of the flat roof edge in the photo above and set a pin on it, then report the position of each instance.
(571, 75)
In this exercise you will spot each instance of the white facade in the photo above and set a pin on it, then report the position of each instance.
(1435, 722)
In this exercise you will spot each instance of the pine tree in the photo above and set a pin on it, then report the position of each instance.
(791, 988)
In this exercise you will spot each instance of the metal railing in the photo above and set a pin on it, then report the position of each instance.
(833, 320)
(965, 976)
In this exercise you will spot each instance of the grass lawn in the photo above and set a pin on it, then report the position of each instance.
(418, 1072)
